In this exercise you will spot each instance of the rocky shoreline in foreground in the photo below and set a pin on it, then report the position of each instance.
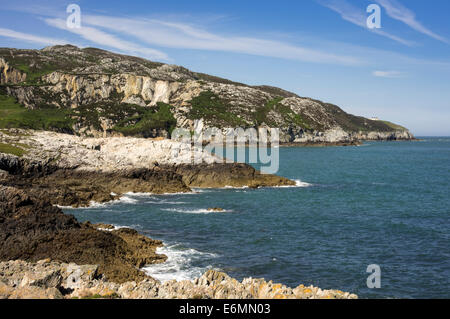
(48, 254)
(47, 279)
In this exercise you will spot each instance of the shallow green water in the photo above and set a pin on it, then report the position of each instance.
(381, 203)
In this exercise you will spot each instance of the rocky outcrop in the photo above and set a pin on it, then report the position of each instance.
(97, 84)
(47, 279)
(32, 229)
(232, 175)
(68, 170)
(385, 136)
(337, 136)
(9, 75)
(81, 188)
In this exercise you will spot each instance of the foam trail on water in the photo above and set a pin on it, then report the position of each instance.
(195, 211)
(179, 264)
(298, 183)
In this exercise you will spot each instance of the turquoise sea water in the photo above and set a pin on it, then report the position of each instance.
(385, 203)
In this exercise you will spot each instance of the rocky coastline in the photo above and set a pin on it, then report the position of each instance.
(47, 279)
(84, 125)
(68, 170)
(46, 254)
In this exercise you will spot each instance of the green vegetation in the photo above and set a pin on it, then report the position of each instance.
(129, 119)
(261, 113)
(216, 79)
(394, 126)
(34, 74)
(275, 91)
(289, 116)
(148, 119)
(218, 112)
(11, 149)
(210, 107)
(352, 123)
(14, 115)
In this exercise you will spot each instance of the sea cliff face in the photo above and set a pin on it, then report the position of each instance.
(100, 94)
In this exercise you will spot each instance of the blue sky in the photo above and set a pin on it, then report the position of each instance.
(315, 48)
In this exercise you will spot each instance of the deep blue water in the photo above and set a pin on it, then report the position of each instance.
(385, 203)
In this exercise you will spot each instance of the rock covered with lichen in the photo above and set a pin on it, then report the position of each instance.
(47, 279)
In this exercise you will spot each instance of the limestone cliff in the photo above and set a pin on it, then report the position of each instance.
(102, 94)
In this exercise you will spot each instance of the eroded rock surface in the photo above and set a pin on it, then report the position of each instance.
(51, 280)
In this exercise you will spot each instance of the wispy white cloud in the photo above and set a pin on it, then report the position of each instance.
(187, 36)
(399, 12)
(102, 38)
(388, 74)
(357, 16)
(30, 37)
(138, 36)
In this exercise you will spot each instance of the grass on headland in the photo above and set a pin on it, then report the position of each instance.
(14, 115)
(395, 126)
(34, 75)
(11, 149)
(129, 119)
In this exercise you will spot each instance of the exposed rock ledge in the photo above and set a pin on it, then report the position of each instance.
(68, 170)
(51, 280)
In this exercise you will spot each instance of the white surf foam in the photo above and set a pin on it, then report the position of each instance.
(165, 202)
(65, 207)
(234, 187)
(128, 200)
(139, 194)
(115, 228)
(179, 264)
(298, 183)
(195, 211)
(124, 199)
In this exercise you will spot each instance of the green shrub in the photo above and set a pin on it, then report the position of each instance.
(14, 115)
(210, 107)
(148, 119)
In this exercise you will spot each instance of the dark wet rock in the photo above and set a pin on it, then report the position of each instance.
(232, 174)
(32, 229)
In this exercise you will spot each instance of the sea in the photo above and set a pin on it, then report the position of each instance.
(382, 203)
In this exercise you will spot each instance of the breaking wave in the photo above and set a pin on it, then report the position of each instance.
(180, 263)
